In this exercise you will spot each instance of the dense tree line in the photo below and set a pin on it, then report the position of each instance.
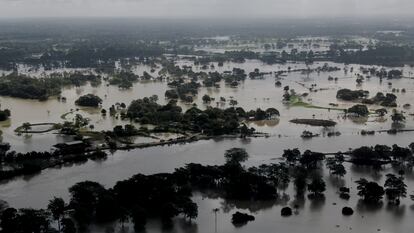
(387, 100)
(22, 86)
(212, 121)
(383, 54)
(167, 195)
(124, 79)
(382, 154)
(161, 196)
(33, 162)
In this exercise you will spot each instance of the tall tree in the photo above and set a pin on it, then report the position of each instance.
(370, 191)
(395, 188)
(57, 207)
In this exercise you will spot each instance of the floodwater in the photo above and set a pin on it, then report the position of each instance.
(251, 94)
(300, 44)
(36, 190)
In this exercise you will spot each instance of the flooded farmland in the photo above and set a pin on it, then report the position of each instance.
(200, 127)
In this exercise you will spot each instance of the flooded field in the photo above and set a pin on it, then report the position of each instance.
(251, 94)
(313, 216)
(300, 44)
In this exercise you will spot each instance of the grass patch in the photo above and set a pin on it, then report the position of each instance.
(296, 101)
(63, 116)
(21, 129)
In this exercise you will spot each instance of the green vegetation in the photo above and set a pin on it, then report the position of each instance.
(89, 100)
(183, 90)
(162, 196)
(4, 114)
(123, 79)
(359, 110)
(395, 188)
(28, 128)
(168, 195)
(239, 219)
(296, 101)
(385, 54)
(388, 100)
(317, 186)
(397, 117)
(349, 95)
(335, 165)
(370, 191)
(22, 86)
(64, 115)
(314, 122)
(212, 121)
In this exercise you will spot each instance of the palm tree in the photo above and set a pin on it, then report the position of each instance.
(57, 207)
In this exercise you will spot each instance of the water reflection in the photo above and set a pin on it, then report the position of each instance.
(187, 226)
(364, 207)
(250, 95)
(299, 202)
(397, 210)
(317, 202)
(267, 123)
(252, 206)
(368, 171)
(337, 182)
(310, 215)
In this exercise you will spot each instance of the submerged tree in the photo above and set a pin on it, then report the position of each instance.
(190, 210)
(300, 175)
(206, 99)
(310, 160)
(24, 221)
(395, 188)
(370, 191)
(89, 100)
(335, 166)
(236, 155)
(397, 117)
(359, 110)
(68, 226)
(139, 218)
(381, 112)
(317, 187)
(57, 207)
(291, 155)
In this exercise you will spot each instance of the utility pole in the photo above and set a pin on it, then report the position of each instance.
(215, 210)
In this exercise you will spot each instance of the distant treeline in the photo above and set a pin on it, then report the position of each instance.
(380, 55)
(167, 195)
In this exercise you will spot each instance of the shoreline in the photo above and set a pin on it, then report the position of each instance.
(87, 154)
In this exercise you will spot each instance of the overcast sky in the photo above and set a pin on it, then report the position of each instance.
(204, 8)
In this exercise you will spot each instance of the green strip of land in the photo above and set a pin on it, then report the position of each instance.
(296, 101)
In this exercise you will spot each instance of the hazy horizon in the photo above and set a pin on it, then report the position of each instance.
(205, 9)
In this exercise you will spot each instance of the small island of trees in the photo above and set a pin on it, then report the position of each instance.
(26, 87)
(4, 114)
(89, 100)
(212, 121)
